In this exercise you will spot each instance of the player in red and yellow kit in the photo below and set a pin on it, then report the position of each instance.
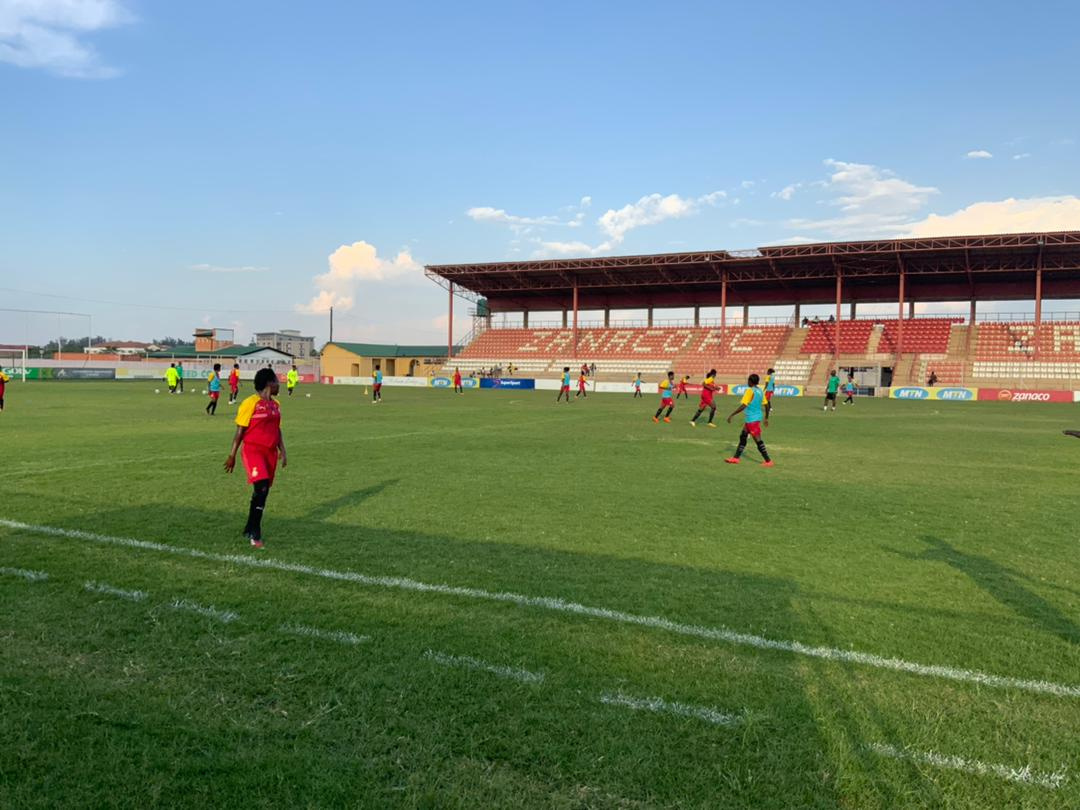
(581, 386)
(680, 390)
(258, 428)
(3, 384)
(234, 383)
(708, 392)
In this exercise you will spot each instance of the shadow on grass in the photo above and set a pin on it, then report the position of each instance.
(327, 510)
(1002, 583)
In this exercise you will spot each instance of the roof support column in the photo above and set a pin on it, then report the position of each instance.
(697, 316)
(650, 317)
(723, 310)
(1038, 302)
(851, 311)
(525, 319)
(607, 318)
(450, 326)
(971, 315)
(575, 319)
(798, 312)
(911, 309)
(564, 319)
(839, 303)
(746, 315)
(900, 318)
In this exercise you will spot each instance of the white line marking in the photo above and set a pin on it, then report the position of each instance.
(30, 576)
(330, 635)
(101, 587)
(1023, 775)
(561, 605)
(667, 707)
(209, 611)
(522, 675)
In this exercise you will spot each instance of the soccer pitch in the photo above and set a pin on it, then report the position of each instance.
(490, 600)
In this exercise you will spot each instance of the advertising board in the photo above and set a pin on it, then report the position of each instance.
(937, 394)
(1024, 395)
(508, 383)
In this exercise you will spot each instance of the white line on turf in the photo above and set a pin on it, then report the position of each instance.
(1023, 775)
(30, 576)
(662, 706)
(101, 587)
(561, 605)
(209, 611)
(467, 662)
(339, 636)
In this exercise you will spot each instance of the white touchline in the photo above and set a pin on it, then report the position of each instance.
(522, 675)
(30, 576)
(1024, 775)
(101, 587)
(660, 705)
(554, 603)
(209, 611)
(330, 635)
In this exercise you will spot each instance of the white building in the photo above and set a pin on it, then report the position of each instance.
(289, 341)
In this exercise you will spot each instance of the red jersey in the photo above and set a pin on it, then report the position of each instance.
(234, 379)
(708, 389)
(457, 380)
(262, 418)
(581, 382)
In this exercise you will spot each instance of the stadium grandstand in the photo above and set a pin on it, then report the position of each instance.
(895, 349)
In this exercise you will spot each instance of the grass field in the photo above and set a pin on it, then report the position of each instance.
(614, 620)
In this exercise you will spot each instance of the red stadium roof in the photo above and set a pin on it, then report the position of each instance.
(953, 268)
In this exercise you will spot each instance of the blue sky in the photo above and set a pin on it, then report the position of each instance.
(245, 164)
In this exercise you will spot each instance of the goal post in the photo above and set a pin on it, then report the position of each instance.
(13, 361)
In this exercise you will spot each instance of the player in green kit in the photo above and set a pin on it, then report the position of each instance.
(830, 390)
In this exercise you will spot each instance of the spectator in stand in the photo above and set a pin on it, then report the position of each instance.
(805, 321)
(832, 319)
(930, 383)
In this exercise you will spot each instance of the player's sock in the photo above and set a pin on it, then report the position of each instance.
(742, 444)
(712, 413)
(762, 450)
(255, 511)
(696, 415)
(669, 410)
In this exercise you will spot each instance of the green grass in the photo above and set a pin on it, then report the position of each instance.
(935, 533)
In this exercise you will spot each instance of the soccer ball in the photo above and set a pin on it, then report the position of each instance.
(308, 396)
(157, 390)
(204, 392)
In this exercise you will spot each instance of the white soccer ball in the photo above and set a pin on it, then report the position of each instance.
(308, 396)
(204, 392)
(157, 390)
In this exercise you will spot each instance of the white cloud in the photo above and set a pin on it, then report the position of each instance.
(787, 192)
(651, 209)
(351, 265)
(573, 248)
(214, 268)
(486, 213)
(872, 201)
(1004, 216)
(978, 154)
(1022, 156)
(48, 35)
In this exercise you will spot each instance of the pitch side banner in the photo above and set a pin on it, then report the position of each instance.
(508, 383)
(779, 391)
(447, 382)
(938, 394)
(1024, 395)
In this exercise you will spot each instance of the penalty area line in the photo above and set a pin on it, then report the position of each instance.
(468, 662)
(109, 590)
(556, 604)
(1023, 775)
(661, 706)
(23, 573)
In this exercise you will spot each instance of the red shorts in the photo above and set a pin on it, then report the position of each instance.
(706, 403)
(260, 463)
(565, 388)
(768, 396)
(754, 429)
(377, 387)
(667, 401)
(215, 394)
(233, 389)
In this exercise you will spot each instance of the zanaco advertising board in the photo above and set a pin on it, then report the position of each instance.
(1023, 395)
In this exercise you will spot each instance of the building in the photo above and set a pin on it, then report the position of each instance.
(360, 359)
(211, 340)
(289, 341)
(249, 358)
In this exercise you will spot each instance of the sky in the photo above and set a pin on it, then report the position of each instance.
(168, 166)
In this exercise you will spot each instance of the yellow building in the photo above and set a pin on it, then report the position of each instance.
(360, 359)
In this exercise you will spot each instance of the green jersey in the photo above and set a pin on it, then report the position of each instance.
(834, 384)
